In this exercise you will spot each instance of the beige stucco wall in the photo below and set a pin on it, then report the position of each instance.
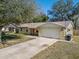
(23, 30)
(62, 35)
(64, 32)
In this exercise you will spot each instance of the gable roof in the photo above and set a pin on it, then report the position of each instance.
(64, 23)
(10, 25)
(35, 25)
(31, 25)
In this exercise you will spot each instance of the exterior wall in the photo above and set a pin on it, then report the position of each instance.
(70, 27)
(30, 31)
(64, 31)
(62, 34)
(23, 30)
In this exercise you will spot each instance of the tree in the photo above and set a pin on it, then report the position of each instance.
(40, 18)
(16, 11)
(2, 10)
(64, 10)
(29, 11)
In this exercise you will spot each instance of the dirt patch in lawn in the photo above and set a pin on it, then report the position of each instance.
(60, 50)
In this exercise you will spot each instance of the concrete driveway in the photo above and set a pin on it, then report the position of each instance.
(26, 50)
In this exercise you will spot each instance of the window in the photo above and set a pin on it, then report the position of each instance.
(21, 29)
(26, 30)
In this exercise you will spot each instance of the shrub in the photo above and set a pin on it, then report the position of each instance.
(11, 36)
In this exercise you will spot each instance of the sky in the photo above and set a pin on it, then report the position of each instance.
(45, 5)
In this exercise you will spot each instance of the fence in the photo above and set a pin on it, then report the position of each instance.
(76, 32)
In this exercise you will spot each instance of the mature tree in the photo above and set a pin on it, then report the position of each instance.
(16, 11)
(1, 10)
(61, 8)
(40, 18)
(29, 11)
(64, 10)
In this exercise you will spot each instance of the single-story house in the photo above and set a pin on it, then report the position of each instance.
(55, 30)
(9, 28)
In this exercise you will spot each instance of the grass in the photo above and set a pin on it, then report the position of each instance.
(20, 38)
(60, 50)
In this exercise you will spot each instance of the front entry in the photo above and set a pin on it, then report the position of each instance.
(33, 32)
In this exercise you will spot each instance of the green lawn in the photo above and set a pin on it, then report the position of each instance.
(19, 39)
(60, 50)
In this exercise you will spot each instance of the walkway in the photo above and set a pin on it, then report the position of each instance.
(26, 50)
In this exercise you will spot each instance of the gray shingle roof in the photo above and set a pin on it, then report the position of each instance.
(31, 25)
(35, 25)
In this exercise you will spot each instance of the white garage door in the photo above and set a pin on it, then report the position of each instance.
(49, 32)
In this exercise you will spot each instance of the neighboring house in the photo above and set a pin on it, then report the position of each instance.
(55, 30)
(9, 28)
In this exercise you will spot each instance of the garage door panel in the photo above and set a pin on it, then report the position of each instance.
(49, 32)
